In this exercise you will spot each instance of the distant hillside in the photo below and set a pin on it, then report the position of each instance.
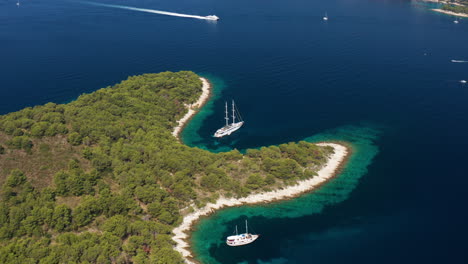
(456, 6)
(102, 180)
(461, 8)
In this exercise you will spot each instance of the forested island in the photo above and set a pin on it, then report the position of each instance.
(103, 180)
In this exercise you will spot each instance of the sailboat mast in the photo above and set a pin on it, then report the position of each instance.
(246, 227)
(236, 231)
(227, 118)
(233, 114)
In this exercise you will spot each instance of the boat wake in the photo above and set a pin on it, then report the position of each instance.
(210, 17)
(459, 61)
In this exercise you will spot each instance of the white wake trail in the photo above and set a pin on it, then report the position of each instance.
(459, 61)
(211, 17)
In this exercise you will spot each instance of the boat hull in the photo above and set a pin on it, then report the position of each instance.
(241, 240)
(212, 17)
(228, 130)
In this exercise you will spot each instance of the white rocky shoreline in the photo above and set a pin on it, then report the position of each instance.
(206, 87)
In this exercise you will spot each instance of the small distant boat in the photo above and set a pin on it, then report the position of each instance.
(212, 17)
(456, 21)
(459, 61)
(325, 17)
(18, 3)
(463, 81)
(242, 239)
(228, 129)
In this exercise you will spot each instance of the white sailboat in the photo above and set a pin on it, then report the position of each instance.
(242, 239)
(325, 17)
(228, 129)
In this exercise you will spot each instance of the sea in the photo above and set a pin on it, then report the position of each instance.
(377, 74)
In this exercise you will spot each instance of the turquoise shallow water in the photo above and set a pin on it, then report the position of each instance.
(189, 134)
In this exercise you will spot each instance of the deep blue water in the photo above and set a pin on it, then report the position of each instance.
(378, 73)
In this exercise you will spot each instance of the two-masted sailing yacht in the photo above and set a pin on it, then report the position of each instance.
(242, 239)
(228, 129)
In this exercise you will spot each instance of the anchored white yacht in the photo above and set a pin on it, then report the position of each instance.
(228, 129)
(242, 239)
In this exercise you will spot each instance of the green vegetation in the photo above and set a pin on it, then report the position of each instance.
(102, 180)
(463, 9)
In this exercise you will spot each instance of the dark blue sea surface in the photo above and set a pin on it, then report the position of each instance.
(378, 74)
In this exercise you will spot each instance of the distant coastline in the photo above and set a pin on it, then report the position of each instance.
(336, 160)
(450, 13)
(193, 108)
